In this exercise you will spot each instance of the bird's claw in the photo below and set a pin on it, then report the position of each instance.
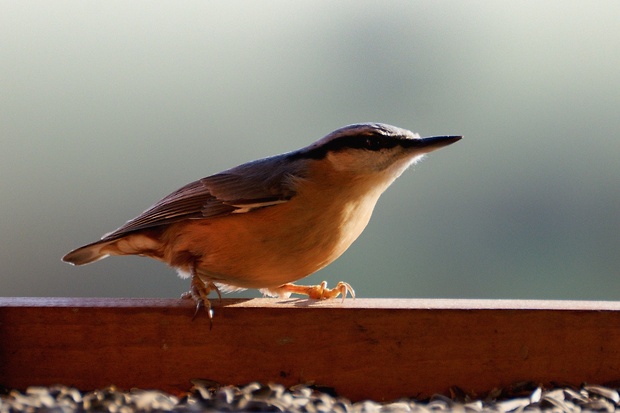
(317, 292)
(199, 292)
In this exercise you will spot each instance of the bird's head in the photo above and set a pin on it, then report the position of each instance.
(372, 149)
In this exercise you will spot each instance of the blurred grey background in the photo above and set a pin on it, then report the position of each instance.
(105, 107)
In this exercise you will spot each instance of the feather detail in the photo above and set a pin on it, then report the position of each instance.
(242, 189)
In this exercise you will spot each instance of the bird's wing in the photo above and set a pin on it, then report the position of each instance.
(238, 190)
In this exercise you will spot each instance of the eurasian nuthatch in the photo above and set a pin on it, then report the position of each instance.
(269, 222)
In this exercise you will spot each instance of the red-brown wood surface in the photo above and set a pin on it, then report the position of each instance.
(379, 349)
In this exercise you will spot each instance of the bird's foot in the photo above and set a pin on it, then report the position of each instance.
(318, 292)
(199, 292)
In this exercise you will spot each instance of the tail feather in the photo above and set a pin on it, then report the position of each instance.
(87, 254)
(132, 244)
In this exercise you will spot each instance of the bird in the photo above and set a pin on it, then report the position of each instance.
(270, 222)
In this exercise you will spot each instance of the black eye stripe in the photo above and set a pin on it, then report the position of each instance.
(378, 142)
(373, 142)
(363, 141)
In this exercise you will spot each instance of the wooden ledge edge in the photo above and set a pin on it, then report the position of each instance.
(296, 303)
(380, 349)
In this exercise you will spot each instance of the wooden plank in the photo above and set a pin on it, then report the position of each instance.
(379, 349)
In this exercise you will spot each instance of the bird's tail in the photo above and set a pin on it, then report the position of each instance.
(129, 244)
(88, 253)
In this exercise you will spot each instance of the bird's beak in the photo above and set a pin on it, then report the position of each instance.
(432, 143)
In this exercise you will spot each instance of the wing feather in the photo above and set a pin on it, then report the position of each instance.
(257, 184)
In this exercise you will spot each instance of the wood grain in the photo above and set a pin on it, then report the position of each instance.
(378, 349)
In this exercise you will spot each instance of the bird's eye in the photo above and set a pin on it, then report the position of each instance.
(374, 143)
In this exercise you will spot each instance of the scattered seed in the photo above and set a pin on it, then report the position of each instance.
(212, 397)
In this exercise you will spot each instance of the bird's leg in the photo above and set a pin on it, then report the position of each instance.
(319, 292)
(199, 292)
